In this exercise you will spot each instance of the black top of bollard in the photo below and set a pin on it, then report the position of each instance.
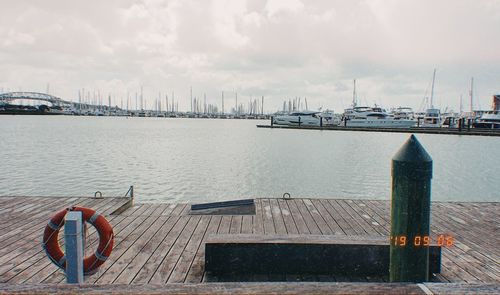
(412, 151)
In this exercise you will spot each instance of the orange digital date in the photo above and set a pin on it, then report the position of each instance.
(422, 241)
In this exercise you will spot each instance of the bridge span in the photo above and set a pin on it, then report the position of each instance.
(23, 95)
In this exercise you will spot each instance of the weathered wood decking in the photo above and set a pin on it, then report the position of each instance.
(163, 244)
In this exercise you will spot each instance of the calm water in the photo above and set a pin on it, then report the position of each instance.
(207, 160)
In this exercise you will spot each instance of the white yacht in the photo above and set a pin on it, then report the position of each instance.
(489, 120)
(374, 117)
(403, 113)
(330, 118)
(304, 118)
(432, 118)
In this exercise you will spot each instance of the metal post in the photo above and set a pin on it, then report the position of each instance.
(299, 121)
(410, 213)
(132, 195)
(321, 122)
(418, 122)
(73, 236)
(468, 124)
(272, 121)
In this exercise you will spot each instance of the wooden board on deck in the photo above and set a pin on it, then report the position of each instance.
(162, 243)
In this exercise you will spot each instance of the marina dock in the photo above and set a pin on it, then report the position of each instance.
(159, 248)
(420, 130)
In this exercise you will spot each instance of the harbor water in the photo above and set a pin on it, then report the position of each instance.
(199, 160)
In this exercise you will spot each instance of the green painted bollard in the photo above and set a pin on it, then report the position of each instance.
(410, 213)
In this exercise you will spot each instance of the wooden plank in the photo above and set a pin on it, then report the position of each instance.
(144, 235)
(153, 263)
(289, 223)
(225, 224)
(267, 217)
(348, 218)
(311, 224)
(297, 217)
(461, 288)
(235, 226)
(136, 264)
(240, 288)
(377, 220)
(169, 208)
(332, 224)
(344, 225)
(318, 218)
(279, 222)
(181, 269)
(479, 266)
(195, 273)
(258, 221)
(163, 272)
(358, 219)
(247, 224)
(120, 256)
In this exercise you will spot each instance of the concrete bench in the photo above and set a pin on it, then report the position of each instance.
(356, 256)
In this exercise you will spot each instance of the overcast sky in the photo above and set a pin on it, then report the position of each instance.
(277, 48)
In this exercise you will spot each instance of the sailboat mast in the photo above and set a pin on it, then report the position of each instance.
(262, 106)
(354, 94)
(432, 88)
(461, 105)
(471, 94)
(223, 102)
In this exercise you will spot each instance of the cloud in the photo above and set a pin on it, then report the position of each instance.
(279, 49)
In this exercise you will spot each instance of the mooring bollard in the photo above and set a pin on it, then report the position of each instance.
(410, 213)
(73, 237)
(272, 121)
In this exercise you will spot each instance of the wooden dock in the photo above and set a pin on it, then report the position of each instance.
(423, 130)
(159, 244)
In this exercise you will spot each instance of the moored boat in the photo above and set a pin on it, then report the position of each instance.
(374, 117)
(303, 118)
(489, 120)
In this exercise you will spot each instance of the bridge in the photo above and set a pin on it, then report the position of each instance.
(10, 96)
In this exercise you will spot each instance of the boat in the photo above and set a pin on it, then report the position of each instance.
(489, 120)
(432, 117)
(302, 118)
(405, 113)
(330, 118)
(362, 116)
(374, 117)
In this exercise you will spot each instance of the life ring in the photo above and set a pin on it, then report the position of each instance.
(91, 263)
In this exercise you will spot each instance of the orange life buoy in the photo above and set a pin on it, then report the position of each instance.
(91, 263)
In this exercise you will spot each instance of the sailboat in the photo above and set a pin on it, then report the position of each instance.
(432, 117)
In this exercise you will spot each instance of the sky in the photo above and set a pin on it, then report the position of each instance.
(279, 49)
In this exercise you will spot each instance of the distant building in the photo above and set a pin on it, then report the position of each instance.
(496, 102)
